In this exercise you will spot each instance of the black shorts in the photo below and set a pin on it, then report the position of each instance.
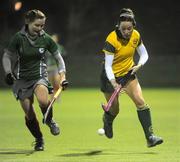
(107, 87)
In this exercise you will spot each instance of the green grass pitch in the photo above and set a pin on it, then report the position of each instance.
(79, 115)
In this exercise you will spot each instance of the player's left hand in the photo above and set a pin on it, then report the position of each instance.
(135, 68)
(64, 84)
(9, 79)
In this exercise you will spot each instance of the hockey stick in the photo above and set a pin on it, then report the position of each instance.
(116, 93)
(112, 98)
(51, 103)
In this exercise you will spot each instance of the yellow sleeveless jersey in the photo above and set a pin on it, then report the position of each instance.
(123, 52)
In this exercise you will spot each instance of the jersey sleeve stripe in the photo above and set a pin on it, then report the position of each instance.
(109, 47)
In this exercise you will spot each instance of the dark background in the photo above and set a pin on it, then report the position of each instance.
(83, 26)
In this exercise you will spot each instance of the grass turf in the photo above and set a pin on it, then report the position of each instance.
(79, 115)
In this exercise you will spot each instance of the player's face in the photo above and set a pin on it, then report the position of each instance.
(126, 28)
(36, 26)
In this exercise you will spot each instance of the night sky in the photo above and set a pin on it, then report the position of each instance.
(91, 20)
(84, 24)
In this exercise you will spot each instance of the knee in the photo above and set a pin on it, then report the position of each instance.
(29, 112)
(30, 116)
(43, 104)
(139, 102)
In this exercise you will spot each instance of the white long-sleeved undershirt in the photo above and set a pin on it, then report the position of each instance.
(108, 66)
(60, 62)
(143, 54)
(143, 57)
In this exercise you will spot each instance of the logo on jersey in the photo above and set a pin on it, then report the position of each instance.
(135, 41)
(41, 50)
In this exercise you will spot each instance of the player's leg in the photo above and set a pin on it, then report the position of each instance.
(41, 93)
(134, 91)
(108, 117)
(32, 123)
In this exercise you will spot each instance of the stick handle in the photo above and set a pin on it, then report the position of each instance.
(58, 92)
(113, 96)
(51, 103)
(48, 109)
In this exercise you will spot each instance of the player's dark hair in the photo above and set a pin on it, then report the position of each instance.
(31, 15)
(126, 14)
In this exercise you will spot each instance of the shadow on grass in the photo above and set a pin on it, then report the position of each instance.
(100, 152)
(89, 153)
(140, 153)
(16, 152)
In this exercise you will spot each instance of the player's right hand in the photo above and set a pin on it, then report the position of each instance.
(9, 79)
(114, 83)
(64, 84)
(135, 68)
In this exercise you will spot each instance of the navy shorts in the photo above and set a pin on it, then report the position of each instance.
(107, 87)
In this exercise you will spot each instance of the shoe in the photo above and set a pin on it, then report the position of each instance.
(154, 140)
(108, 122)
(39, 144)
(54, 128)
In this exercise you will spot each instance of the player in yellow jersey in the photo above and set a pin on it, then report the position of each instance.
(120, 69)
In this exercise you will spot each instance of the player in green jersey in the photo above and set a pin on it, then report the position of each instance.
(28, 75)
(52, 69)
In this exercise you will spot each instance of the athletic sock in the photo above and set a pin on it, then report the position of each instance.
(33, 126)
(144, 116)
(109, 116)
(50, 114)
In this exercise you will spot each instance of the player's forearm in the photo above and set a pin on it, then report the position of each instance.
(6, 61)
(109, 70)
(143, 54)
(108, 66)
(62, 76)
(60, 63)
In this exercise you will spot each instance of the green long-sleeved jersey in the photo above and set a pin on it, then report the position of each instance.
(30, 54)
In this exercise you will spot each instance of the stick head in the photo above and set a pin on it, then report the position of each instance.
(104, 107)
